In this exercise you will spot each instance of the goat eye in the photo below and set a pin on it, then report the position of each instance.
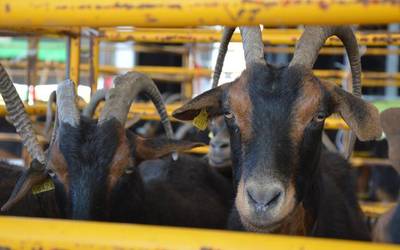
(320, 117)
(228, 115)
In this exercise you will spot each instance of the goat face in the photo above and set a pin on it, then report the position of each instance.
(93, 163)
(219, 155)
(275, 117)
(88, 160)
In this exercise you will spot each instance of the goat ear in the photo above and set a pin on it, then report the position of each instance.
(33, 176)
(390, 123)
(153, 148)
(361, 116)
(209, 101)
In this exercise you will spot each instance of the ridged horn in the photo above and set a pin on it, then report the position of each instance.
(18, 116)
(120, 98)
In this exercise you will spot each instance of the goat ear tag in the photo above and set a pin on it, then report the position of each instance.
(201, 120)
(46, 186)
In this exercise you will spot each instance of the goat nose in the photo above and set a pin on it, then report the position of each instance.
(219, 144)
(264, 198)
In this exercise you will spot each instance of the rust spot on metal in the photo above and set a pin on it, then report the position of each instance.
(85, 6)
(208, 248)
(323, 5)
(7, 8)
(61, 7)
(174, 6)
(151, 19)
(147, 6)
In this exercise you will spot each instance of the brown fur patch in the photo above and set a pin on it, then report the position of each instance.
(59, 165)
(305, 107)
(241, 106)
(295, 223)
(361, 116)
(122, 159)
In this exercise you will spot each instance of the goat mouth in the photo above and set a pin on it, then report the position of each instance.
(264, 227)
(219, 162)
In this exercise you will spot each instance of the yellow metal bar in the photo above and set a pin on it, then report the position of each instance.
(42, 31)
(334, 51)
(29, 233)
(375, 209)
(179, 74)
(94, 63)
(187, 86)
(175, 13)
(269, 36)
(148, 112)
(74, 58)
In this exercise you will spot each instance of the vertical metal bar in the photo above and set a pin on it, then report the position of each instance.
(74, 49)
(32, 57)
(94, 63)
(392, 63)
(187, 86)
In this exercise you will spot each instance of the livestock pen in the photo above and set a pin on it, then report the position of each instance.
(171, 22)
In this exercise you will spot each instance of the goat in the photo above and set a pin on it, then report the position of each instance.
(387, 228)
(93, 164)
(275, 117)
(40, 204)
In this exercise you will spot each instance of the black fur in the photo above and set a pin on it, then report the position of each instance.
(189, 193)
(40, 205)
(323, 181)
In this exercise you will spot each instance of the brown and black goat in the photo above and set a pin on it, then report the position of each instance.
(275, 116)
(93, 164)
(387, 228)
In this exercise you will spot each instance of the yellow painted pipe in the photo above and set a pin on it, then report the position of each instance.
(175, 13)
(269, 36)
(148, 112)
(375, 209)
(94, 63)
(74, 58)
(369, 79)
(335, 51)
(30, 233)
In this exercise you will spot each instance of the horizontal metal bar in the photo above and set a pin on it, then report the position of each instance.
(335, 51)
(148, 112)
(29, 233)
(175, 13)
(375, 209)
(269, 36)
(177, 74)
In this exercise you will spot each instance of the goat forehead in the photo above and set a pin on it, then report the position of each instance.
(89, 146)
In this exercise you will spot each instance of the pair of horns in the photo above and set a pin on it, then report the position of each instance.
(253, 48)
(127, 87)
(306, 52)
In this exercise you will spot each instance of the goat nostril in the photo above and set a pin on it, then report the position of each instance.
(251, 197)
(274, 198)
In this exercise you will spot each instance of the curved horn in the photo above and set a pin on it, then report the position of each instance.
(314, 37)
(252, 45)
(49, 112)
(307, 50)
(120, 98)
(223, 48)
(18, 116)
(67, 108)
(99, 96)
